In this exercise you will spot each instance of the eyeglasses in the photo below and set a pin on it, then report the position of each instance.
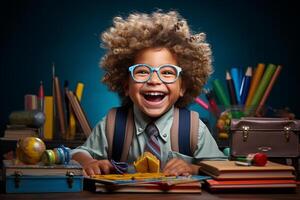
(167, 73)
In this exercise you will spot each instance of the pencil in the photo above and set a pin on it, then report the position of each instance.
(246, 85)
(268, 90)
(265, 80)
(212, 102)
(201, 103)
(231, 90)
(236, 81)
(221, 95)
(255, 82)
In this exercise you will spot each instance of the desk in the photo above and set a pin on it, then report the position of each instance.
(86, 195)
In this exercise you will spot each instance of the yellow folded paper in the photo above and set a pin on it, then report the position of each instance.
(147, 163)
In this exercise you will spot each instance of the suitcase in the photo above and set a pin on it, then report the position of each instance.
(41, 178)
(276, 137)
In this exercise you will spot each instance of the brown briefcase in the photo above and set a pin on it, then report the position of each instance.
(276, 137)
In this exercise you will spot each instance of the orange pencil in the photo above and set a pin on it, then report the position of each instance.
(255, 82)
(268, 90)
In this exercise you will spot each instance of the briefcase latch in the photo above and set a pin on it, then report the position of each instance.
(287, 130)
(245, 132)
(17, 174)
(70, 176)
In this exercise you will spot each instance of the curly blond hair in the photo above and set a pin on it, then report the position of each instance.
(139, 31)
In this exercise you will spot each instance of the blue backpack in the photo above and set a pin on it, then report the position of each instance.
(120, 128)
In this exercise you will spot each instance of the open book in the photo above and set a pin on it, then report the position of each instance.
(151, 184)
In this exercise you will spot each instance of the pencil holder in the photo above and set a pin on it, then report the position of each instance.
(224, 116)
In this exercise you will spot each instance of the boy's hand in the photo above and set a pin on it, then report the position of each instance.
(176, 167)
(94, 167)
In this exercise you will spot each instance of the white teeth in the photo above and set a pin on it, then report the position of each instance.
(154, 93)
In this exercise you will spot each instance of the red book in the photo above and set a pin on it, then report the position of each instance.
(253, 183)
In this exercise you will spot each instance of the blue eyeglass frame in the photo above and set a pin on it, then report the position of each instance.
(154, 69)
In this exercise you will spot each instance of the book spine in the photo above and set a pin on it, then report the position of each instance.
(48, 110)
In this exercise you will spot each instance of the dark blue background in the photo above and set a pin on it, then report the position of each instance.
(34, 34)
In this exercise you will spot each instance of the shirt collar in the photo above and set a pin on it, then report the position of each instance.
(163, 123)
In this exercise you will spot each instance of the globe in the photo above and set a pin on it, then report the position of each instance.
(30, 150)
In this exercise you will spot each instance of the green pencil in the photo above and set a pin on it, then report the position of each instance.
(220, 93)
(262, 87)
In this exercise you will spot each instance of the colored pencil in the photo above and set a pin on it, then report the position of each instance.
(265, 80)
(255, 82)
(246, 85)
(230, 88)
(201, 103)
(236, 81)
(268, 90)
(220, 92)
(212, 103)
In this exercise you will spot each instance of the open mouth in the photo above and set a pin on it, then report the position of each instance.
(154, 96)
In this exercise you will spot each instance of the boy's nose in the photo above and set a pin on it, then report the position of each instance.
(154, 79)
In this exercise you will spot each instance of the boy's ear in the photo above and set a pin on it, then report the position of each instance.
(182, 89)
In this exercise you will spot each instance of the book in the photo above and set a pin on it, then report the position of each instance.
(16, 132)
(222, 170)
(79, 113)
(30, 102)
(11, 167)
(254, 183)
(193, 187)
(72, 121)
(146, 182)
(19, 133)
(48, 110)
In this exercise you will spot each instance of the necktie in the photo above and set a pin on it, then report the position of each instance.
(152, 145)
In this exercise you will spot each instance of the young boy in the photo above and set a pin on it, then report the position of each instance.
(154, 63)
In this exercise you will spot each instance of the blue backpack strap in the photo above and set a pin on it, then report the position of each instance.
(119, 133)
(184, 132)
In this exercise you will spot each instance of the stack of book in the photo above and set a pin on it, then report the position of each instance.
(16, 132)
(228, 175)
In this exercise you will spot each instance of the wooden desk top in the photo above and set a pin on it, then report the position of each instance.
(254, 195)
